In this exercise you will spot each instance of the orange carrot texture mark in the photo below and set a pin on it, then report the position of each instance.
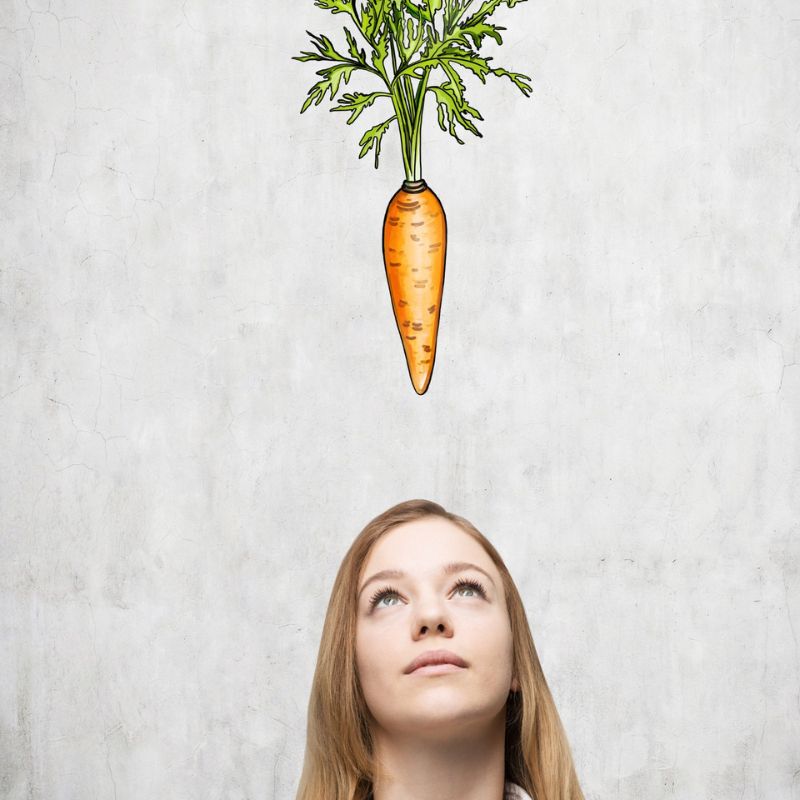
(414, 247)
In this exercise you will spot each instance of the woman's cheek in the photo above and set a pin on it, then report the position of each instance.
(370, 663)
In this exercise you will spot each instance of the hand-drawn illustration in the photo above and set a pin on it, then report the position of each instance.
(418, 39)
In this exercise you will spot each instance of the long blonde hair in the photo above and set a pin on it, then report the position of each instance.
(338, 761)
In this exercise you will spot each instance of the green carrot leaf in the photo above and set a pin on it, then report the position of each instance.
(488, 7)
(517, 78)
(452, 109)
(464, 57)
(357, 102)
(473, 62)
(478, 31)
(352, 48)
(453, 13)
(402, 32)
(372, 139)
(381, 50)
(336, 6)
(418, 12)
(455, 85)
(450, 53)
(331, 79)
(374, 16)
(410, 39)
(325, 50)
(305, 55)
(433, 7)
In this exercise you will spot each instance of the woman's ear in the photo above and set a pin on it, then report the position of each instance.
(514, 684)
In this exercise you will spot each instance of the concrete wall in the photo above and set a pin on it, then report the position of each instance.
(203, 395)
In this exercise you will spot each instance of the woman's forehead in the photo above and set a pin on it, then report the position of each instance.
(426, 545)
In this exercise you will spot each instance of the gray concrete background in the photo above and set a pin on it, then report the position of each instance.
(204, 397)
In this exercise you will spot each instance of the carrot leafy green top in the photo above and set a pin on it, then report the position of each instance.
(417, 38)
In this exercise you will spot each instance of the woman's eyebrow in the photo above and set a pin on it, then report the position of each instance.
(447, 569)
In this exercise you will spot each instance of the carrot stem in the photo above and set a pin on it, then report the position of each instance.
(416, 152)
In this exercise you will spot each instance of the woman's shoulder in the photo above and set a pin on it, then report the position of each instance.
(515, 792)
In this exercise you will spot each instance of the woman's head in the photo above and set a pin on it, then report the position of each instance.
(361, 687)
(429, 586)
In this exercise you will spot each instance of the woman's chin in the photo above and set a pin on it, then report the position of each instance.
(442, 718)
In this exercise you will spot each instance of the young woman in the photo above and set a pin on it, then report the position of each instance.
(428, 685)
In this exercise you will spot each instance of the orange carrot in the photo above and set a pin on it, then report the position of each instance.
(414, 247)
(411, 46)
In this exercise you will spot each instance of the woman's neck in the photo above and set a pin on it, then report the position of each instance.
(467, 765)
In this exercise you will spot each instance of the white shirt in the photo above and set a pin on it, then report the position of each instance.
(511, 791)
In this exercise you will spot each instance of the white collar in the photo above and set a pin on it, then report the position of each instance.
(511, 791)
(515, 792)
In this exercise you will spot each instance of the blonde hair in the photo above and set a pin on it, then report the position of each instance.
(338, 761)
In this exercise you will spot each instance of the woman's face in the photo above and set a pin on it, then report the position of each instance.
(439, 602)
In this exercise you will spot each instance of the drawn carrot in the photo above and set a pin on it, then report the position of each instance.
(411, 42)
(414, 242)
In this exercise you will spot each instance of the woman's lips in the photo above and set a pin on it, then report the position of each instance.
(436, 669)
(436, 658)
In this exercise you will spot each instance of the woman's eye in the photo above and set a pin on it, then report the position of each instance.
(463, 588)
(472, 587)
(379, 596)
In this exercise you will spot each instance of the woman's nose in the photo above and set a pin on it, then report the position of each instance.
(440, 627)
(432, 619)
